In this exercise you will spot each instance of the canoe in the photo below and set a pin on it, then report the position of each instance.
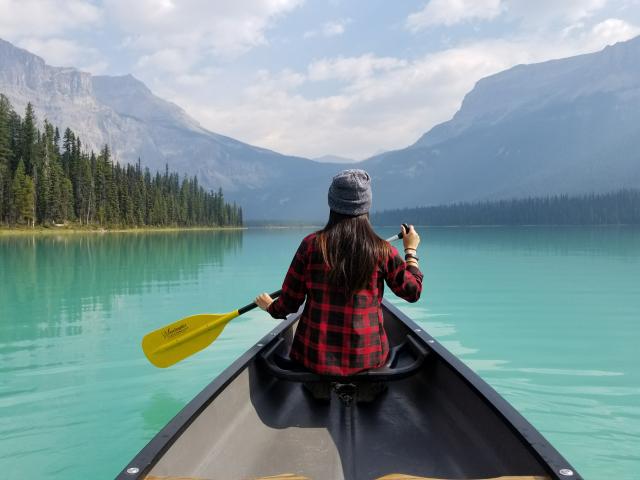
(433, 418)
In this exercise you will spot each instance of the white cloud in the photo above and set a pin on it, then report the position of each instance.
(611, 31)
(191, 39)
(337, 27)
(171, 60)
(341, 68)
(205, 77)
(330, 29)
(538, 14)
(66, 53)
(202, 26)
(450, 12)
(44, 18)
(597, 36)
(548, 14)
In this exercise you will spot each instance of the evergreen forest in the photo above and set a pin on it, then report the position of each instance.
(616, 208)
(48, 179)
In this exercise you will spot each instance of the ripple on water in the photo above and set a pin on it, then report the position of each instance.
(570, 406)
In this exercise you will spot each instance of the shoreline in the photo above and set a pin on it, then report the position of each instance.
(7, 231)
(24, 231)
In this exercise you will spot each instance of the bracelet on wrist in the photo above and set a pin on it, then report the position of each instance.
(410, 256)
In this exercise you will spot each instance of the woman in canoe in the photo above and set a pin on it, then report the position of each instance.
(340, 271)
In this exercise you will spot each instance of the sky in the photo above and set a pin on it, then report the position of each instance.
(309, 77)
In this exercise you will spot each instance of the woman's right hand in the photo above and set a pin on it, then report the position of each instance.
(410, 237)
(263, 301)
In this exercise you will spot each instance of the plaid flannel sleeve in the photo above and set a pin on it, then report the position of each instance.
(294, 288)
(405, 281)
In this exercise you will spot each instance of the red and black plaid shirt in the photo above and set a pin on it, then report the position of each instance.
(339, 334)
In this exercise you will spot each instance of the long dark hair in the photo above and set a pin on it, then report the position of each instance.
(351, 249)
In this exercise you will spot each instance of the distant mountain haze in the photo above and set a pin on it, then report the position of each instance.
(563, 126)
(333, 159)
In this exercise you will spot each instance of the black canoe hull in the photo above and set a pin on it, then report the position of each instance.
(442, 422)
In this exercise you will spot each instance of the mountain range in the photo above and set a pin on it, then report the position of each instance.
(563, 126)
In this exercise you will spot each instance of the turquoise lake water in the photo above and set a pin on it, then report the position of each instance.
(550, 317)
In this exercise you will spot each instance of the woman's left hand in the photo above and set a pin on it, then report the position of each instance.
(263, 301)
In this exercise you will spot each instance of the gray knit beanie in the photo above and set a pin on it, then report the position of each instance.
(350, 192)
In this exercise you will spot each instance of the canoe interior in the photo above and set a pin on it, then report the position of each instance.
(428, 425)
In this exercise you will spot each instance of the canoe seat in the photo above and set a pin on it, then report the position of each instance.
(404, 360)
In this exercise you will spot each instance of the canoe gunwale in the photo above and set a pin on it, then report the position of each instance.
(546, 454)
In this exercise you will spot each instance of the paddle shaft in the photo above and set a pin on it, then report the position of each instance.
(398, 235)
(253, 305)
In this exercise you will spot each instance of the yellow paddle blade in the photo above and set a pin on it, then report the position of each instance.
(179, 340)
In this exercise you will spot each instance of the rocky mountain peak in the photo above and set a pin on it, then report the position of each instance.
(125, 84)
(128, 96)
(24, 70)
(532, 87)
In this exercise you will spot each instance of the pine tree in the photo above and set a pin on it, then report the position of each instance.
(23, 196)
(5, 132)
(85, 197)
(43, 181)
(5, 158)
(29, 139)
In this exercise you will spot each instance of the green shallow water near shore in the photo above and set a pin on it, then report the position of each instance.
(550, 317)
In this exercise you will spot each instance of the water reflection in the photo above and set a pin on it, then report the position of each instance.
(159, 409)
(49, 283)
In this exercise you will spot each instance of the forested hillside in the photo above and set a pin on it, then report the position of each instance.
(616, 208)
(46, 178)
